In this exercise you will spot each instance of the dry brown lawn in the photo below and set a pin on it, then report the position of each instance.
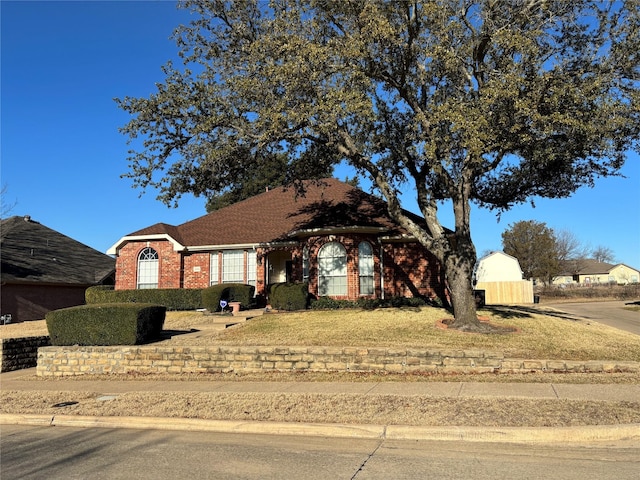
(421, 410)
(542, 334)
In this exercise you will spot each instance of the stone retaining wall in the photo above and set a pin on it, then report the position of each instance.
(19, 353)
(65, 361)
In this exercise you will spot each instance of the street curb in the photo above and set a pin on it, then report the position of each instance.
(516, 434)
(526, 435)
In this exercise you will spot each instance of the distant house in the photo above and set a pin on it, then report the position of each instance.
(44, 270)
(591, 272)
(499, 277)
(337, 238)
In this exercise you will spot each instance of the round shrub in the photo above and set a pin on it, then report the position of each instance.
(289, 296)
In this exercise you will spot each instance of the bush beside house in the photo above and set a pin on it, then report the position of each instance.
(229, 292)
(289, 296)
(171, 298)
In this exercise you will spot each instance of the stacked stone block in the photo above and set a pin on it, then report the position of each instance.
(63, 361)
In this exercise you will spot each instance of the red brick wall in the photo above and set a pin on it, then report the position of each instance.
(170, 265)
(196, 270)
(409, 270)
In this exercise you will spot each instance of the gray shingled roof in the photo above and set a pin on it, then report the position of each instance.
(31, 252)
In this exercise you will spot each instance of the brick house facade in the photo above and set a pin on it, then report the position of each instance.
(337, 238)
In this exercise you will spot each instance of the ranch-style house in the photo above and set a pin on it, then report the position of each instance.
(336, 237)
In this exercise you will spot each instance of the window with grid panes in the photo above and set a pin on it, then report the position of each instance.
(214, 275)
(365, 268)
(148, 263)
(252, 273)
(332, 270)
(233, 266)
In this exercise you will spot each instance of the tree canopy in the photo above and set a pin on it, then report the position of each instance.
(544, 253)
(534, 245)
(486, 102)
(261, 173)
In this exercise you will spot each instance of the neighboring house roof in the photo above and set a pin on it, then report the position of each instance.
(279, 215)
(34, 253)
(588, 266)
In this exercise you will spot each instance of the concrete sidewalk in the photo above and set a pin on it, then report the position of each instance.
(25, 380)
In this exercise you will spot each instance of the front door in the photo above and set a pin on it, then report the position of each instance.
(279, 267)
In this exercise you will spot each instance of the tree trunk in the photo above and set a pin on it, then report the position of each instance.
(459, 272)
(460, 260)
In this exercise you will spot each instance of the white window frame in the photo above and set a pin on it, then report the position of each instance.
(214, 277)
(148, 269)
(237, 265)
(365, 268)
(305, 264)
(252, 268)
(233, 267)
(332, 270)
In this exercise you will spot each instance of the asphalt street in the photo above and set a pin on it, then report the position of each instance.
(80, 453)
(616, 314)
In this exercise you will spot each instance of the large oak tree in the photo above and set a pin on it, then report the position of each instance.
(487, 102)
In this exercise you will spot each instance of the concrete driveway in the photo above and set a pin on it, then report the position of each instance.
(615, 314)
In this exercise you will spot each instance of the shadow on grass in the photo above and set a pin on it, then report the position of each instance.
(521, 311)
(169, 334)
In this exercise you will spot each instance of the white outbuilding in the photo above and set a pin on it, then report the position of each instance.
(499, 279)
(498, 267)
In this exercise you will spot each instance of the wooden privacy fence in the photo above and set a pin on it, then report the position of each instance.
(499, 293)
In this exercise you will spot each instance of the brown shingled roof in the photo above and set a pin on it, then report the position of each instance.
(278, 214)
(160, 228)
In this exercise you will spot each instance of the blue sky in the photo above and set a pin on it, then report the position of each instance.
(63, 63)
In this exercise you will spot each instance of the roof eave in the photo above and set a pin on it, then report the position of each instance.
(230, 246)
(308, 232)
(115, 248)
(398, 238)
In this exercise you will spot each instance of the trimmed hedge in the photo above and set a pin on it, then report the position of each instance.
(105, 324)
(289, 296)
(231, 292)
(172, 298)
(327, 303)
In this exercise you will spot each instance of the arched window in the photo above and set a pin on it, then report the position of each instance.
(365, 268)
(148, 268)
(332, 270)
